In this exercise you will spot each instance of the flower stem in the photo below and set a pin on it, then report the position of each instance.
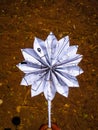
(49, 114)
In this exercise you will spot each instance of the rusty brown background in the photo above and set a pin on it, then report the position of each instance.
(20, 22)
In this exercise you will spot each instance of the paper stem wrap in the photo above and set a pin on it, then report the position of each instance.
(49, 113)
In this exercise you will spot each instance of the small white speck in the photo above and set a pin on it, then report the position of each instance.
(51, 33)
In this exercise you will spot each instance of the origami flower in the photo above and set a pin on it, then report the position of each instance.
(52, 66)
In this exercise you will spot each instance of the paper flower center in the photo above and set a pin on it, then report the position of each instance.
(50, 67)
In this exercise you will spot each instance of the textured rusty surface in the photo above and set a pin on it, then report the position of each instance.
(20, 22)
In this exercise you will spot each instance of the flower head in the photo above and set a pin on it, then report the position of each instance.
(52, 66)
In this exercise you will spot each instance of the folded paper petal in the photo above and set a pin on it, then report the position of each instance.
(71, 70)
(31, 56)
(61, 89)
(70, 81)
(49, 90)
(39, 89)
(72, 50)
(29, 79)
(31, 68)
(50, 44)
(71, 61)
(62, 46)
(40, 49)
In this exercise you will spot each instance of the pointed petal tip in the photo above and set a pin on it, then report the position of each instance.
(51, 33)
(65, 94)
(67, 36)
(35, 93)
(81, 57)
(32, 94)
(35, 38)
(64, 38)
(17, 65)
(24, 82)
(76, 46)
(74, 86)
(22, 50)
(81, 71)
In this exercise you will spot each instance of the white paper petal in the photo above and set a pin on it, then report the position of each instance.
(47, 76)
(72, 50)
(39, 89)
(27, 67)
(49, 90)
(70, 81)
(29, 79)
(31, 56)
(61, 89)
(28, 56)
(50, 43)
(71, 61)
(71, 70)
(62, 46)
(39, 47)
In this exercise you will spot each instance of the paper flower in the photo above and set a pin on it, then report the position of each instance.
(52, 66)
